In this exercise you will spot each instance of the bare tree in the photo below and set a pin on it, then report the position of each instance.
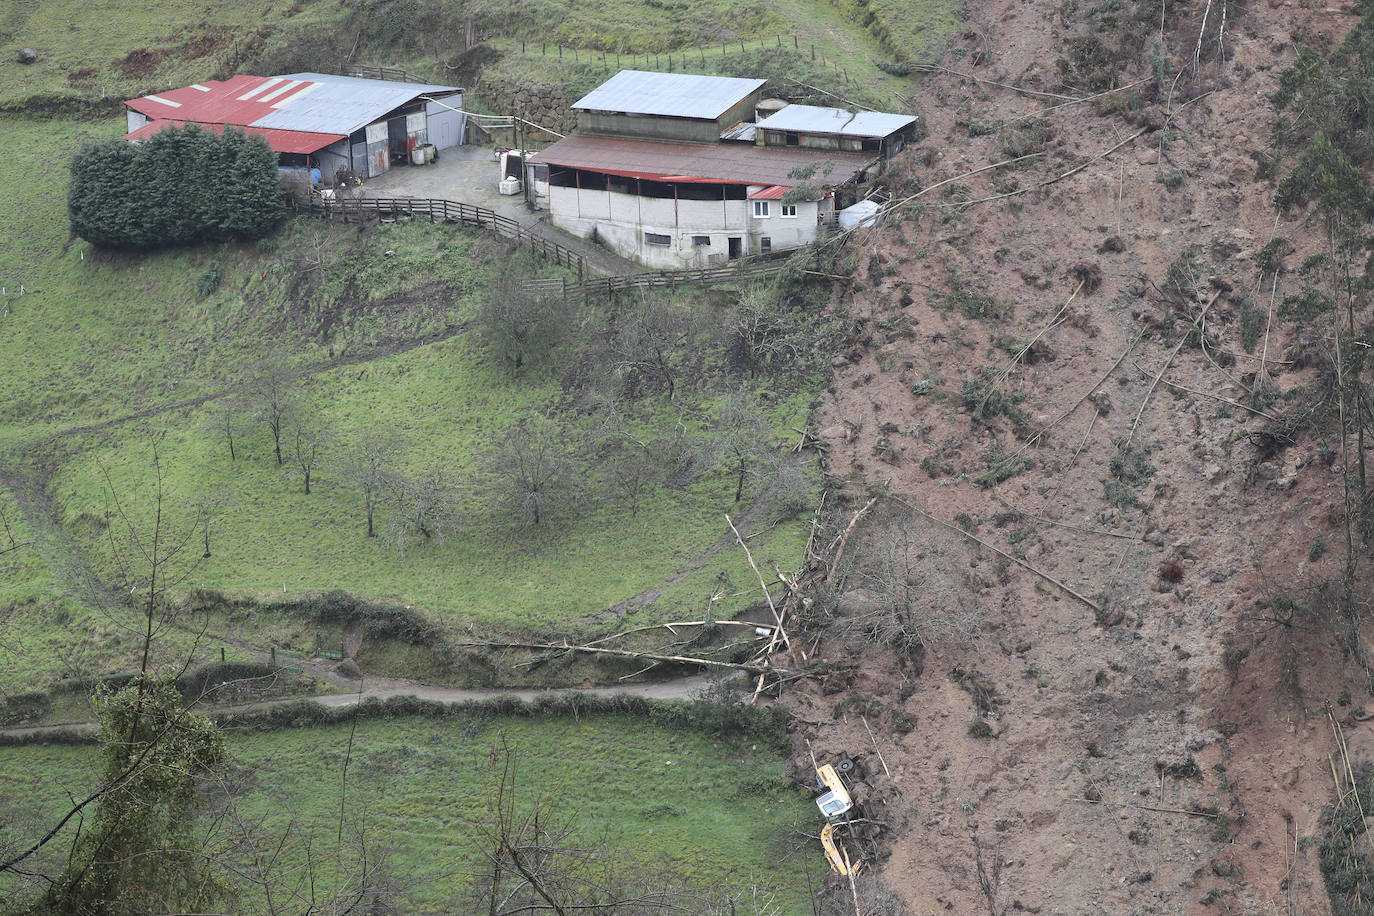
(522, 326)
(648, 338)
(539, 858)
(742, 436)
(532, 464)
(308, 437)
(423, 506)
(206, 507)
(368, 466)
(626, 457)
(152, 559)
(9, 542)
(761, 334)
(226, 418)
(273, 391)
(907, 592)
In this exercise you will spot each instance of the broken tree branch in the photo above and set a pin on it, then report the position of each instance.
(1165, 368)
(1155, 808)
(1217, 397)
(1066, 589)
(1049, 181)
(844, 539)
(751, 667)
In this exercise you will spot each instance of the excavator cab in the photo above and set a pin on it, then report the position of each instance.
(834, 782)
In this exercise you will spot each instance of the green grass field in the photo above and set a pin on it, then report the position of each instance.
(714, 811)
(108, 356)
(81, 47)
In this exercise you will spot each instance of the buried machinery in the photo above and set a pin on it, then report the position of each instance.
(837, 806)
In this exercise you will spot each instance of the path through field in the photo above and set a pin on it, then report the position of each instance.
(681, 688)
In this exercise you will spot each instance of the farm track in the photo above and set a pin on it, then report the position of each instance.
(384, 688)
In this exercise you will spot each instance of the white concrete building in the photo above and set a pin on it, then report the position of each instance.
(664, 170)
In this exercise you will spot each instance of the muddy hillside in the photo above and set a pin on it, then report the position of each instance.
(1099, 620)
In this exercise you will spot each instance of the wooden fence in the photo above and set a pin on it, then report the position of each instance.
(605, 287)
(452, 211)
(580, 290)
(396, 74)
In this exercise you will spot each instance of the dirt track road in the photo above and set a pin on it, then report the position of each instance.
(384, 688)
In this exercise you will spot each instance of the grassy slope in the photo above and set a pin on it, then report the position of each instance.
(95, 35)
(846, 55)
(712, 810)
(450, 406)
(103, 337)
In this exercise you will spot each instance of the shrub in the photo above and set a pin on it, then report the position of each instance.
(209, 281)
(181, 187)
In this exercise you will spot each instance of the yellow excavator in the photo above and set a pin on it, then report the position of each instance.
(835, 804)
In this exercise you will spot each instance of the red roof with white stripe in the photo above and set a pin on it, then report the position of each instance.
(281, 141)
(237, 100)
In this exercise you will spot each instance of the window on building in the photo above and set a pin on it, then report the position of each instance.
(792, 139)
(789, 210)
(700, 241)
(765, 244)
(653, 238)
(760, 209)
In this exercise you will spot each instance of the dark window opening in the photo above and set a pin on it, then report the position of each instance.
(792, 139)
(700, 241)
(870, 146)
(765, 244)
(654, 238)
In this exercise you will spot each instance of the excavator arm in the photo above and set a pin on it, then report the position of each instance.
(839, 862)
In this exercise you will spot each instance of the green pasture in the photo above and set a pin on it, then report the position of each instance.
(714, 811)
(80, 46)
(108, 356)
(449, 405)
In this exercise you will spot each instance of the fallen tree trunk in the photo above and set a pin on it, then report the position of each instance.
(751, 667)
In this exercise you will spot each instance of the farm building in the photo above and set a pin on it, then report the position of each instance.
(678, 170)
(314, 121)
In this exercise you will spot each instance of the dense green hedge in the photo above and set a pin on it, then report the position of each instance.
(180, 187)
(727, 720)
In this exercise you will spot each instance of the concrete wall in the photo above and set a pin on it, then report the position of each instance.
(623, 222)
(785, 231)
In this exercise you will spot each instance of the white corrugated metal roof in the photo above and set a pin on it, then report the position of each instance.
(324, 103)
(680, 95)
(814, 119)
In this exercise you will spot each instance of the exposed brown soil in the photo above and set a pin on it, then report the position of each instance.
(140, 62)
(1164, 742)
